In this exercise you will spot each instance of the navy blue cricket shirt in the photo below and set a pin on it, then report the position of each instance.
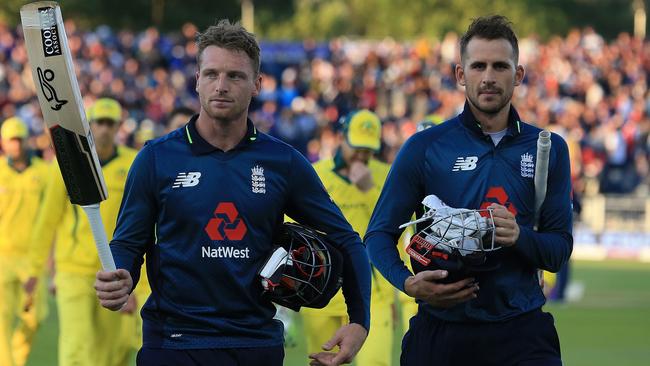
(459, 164)
(205, 219)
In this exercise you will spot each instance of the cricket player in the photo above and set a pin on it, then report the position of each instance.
(481, 159)
(204, 203)
(23, 178)
(354, 178)
(88, 333)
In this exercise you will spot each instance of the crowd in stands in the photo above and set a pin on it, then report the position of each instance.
(591, 91)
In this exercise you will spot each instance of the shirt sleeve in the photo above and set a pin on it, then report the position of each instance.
(551, 246)
(50, 217)
(309, 204)
(400, 197)
(135, 229)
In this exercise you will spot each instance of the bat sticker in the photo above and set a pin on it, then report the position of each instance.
(44, 78)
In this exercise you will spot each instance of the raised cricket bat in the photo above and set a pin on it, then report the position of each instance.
(60, 99)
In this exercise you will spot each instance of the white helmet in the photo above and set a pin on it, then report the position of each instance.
(455, 239)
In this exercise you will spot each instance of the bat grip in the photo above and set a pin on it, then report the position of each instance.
(541, 175)
(541, 168)
(97, 227)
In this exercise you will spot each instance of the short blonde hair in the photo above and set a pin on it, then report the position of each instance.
(231, 36)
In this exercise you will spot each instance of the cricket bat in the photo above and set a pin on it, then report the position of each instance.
(541, 170)
(63, 112)
(540, 179)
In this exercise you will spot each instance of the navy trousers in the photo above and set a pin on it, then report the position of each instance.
(271, 356)
(527, 340)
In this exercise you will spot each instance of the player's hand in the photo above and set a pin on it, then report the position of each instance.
(424, 286)
(360, 176)
(349, 338)
(131, 305)
(29, 301)
(30, 285)
(113, 287)
(507, 229)
(51, 287)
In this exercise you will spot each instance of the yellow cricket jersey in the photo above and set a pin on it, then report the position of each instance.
(75, 247)
(357, 207)
(20, 199)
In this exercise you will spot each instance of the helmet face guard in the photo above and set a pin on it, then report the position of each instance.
(303, 269)
(457, 240)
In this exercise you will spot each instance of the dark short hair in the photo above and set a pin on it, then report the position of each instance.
(231, 36)
(490, 27)
(180, 110)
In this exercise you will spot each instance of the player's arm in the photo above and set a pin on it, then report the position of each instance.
(49, 218)
(134, 232)
(4, 199)
(309, 204)
(550, 247)
(401, 195)
(399, 198)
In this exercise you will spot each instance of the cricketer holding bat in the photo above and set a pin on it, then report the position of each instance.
(23, 178)
(88, 334)
(478, 305)
(204, 203)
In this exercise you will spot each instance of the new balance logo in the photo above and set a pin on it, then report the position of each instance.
(187, 179)
(468, 163)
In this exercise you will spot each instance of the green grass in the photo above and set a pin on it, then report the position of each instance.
(44, 349)
(609, 325)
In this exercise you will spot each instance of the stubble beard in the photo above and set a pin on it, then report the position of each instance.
(221, 115)
(491, 110)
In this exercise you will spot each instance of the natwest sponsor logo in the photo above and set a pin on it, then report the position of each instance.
(224, 252)
(498, 195)
(226, 226)
(226, 223)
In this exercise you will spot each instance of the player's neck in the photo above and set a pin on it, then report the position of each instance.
(224, 135)
(105, 152)
(19, 163)
(492, 122)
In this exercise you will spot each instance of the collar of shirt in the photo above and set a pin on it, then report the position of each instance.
(339, 164)
(115, 154)
(11, 161)
(200, 146)
(468, 120)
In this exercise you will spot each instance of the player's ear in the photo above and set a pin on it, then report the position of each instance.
(258, 84)
(460, 75)
(196, 75)
(519, 75)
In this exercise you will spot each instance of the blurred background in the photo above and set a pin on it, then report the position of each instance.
(587, 74)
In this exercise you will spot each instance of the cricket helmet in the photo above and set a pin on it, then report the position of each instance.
(304, 269)
(454, 239)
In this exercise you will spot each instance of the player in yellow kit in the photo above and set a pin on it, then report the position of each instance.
(88, 333)
(22, 182)
(408, 305)
(354, 179)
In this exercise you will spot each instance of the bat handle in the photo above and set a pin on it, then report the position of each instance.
(540, 181)
(541, 170)
(97, 227)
